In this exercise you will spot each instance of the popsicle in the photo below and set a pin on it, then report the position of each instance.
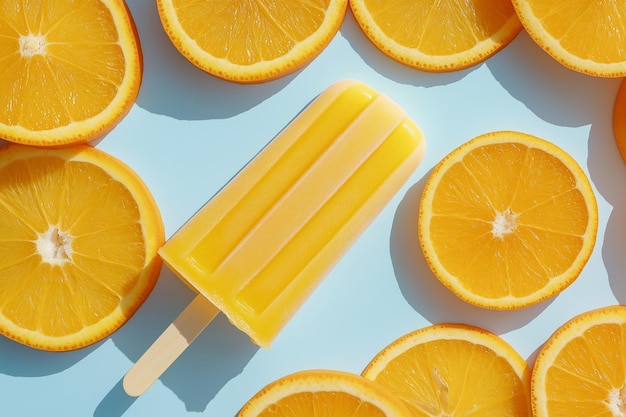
(263, 243)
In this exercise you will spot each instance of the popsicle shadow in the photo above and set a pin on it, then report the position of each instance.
(174, 87)
(198, 375)
(217, 355)
(425, 293)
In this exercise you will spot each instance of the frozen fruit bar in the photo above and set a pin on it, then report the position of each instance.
(264, 242)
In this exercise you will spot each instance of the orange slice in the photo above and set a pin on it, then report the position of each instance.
(581, 369)
(619, 120)
(317, 393)
(251, 41)
(78, 249)
(507, 220)
(585, 36)
(70, 70)
(438, 36)
(454, 370)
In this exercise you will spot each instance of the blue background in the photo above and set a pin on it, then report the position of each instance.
(189, 133)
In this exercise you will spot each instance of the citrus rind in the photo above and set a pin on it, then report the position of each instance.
(319, 381)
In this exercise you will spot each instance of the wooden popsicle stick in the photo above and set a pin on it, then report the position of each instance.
(169, 345)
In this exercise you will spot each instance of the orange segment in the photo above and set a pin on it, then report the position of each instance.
(580, 370)
(438, 36)
(251, 41)
(70, 71)
(454, 370)
(507, 220)
(317, 393)
(584, 36)
(78, 251)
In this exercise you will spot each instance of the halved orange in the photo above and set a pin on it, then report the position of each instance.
(78, 248)
(581, 370)
(454, 370)
(585, 36)
(507, 220)
(438, 36)
(315, 393)
(251, 41)
(619, 120)
(70, 71)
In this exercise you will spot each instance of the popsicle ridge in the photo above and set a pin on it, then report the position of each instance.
(350, 212)
(343, 158)
(226, 232)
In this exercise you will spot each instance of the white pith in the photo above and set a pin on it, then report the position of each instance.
(55, 246)
(504, 223)
(31, 45)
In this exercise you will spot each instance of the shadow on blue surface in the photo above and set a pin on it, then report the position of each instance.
(214, 358)
(554, 93)
(608, 172)
(115, 404)
(172, 86)
(28, 362)
(425, 293)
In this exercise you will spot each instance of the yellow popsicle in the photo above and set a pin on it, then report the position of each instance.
(263, 243)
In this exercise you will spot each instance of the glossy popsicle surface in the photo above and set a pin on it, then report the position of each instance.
(264, 242)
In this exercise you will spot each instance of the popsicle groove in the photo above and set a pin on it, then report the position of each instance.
(240, 218)
(284, 238)
(345, 226)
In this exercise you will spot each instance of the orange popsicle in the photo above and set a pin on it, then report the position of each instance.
(264, 242)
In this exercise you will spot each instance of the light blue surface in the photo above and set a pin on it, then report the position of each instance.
(189, 133)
